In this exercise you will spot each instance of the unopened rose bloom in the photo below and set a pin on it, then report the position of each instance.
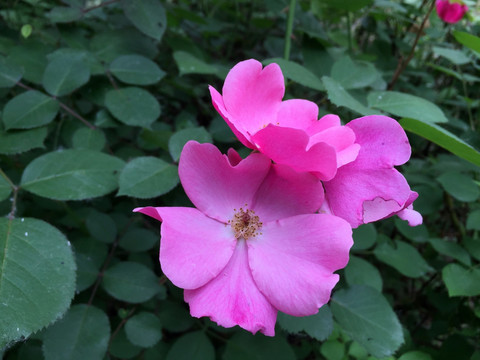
(254, 244)
(451, 11)
(288, 132)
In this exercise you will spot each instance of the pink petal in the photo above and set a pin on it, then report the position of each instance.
(450, 12)
(233, 157)
(286, 193)
(252, 95)
(237, 129)
(325, 122)
(293, 261)
(413, 217)
(232, 298)
(297, 114)
(193, 247)
(216, 187)
(288, 146)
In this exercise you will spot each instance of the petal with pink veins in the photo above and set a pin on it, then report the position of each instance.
(232, 298)
(216, 187)
(293, 261)
(194, 249)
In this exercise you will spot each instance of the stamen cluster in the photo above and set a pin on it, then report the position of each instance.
(245, 224)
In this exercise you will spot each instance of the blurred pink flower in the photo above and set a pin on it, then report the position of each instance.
(288, 132)
(451, 12)
(253, 244)
(370, 188)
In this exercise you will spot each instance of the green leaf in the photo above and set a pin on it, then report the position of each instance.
(147, 177)
(318, 326)
(443, 138)
(64, 14)
(461, 281)
(473, 247)
(406, 105)
(136, 70)
(297, 73)
(26, 31)
(85, 138)
(101, 226)
(144, 329)
(31, 58)
(245, 346)
(340, 97)
(37, 277)
(194, 345)
(82, 334)
(367, 317)
(87, 271)
(5, 189)
(137, 240)
(9, 74)
(460, 186)
(133, 106)
(348, 5)
(131, 282)
(451, 249)
(174, 317)
(364, 237)
(417, 233)
(65, 73)
(148, 16)
(122, 348)
(178, 140)
(190, 64)
(29, 109)
(415, 355)
(473, 220)
(72, 174)
(333, 350)
(361, 272)
(455, 56)
(404, 257)
(353, 74)
(467, 39)
(16, 142)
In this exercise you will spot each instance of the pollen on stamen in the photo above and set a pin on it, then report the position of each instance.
(245, 224)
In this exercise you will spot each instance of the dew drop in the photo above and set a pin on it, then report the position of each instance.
(69, 244)
(22, 219)
(26, 233)
(18, 329)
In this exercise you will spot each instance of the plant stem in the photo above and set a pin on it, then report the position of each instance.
(15, 189)
(403, 64)
(288, 33)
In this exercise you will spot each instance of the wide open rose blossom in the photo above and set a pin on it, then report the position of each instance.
(451, 11)
(254, 244)
(288, 132)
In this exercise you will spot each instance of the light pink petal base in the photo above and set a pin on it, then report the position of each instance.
(232, 298)
(293, 261)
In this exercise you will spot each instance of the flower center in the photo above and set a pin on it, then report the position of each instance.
(245, 223)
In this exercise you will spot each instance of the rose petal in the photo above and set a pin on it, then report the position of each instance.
(297, 114)
(232, 298)
(193, 247)
(286, 193)
(216, 187)
(293, 261)
(413, 217)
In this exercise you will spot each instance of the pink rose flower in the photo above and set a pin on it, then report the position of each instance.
(288, 132)
(254, 244)
(450, 12)
(370, 188)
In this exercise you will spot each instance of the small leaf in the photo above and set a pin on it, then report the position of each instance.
(367, 317)
(194, 345)
(137, 240)
(136, 70)
(455, 56)
(9, 74)
(174, 317)
(354, 74)
(473, 247)
(467, 39)
(361, 272)
(473, 220)
(460, 186)
(26, 31)
(131, 282)
(318, 326)
(147, 177)
(144, 329)
(443, 138)
(5, 189)
(65, 73)
(415, 355)
(82, 334)
(37, 277)
(101, 226)
(406, 105)
(87, 271)
(404, 257)
(148, 16)
(85, 138)
(297, 73)
(333, 350)
(72, 174)
(364, 237)
(461, 281)
(16, 142)
(64, 14)
(28, 110)
(340, 97)
(122, 348)
(180, 138)
(133, 106)
(190, 64)
(245, 346)
(417, 233)
(451, 249)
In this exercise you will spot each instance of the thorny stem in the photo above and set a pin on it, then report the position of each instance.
(119, 327)
(63, 106)
(403, 64)
(288, 33)
(15, 189)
